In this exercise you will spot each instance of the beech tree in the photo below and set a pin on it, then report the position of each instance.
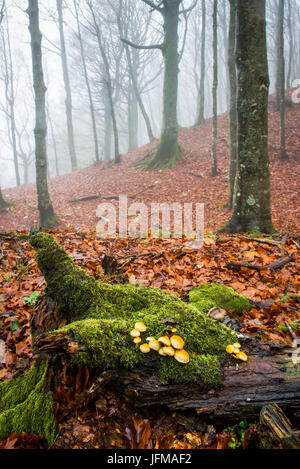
(201, 91)
(214, 89)
(251, 200)
(233, 98)
(46, 212)
(280, 77)
(168, 150)
(68, 102)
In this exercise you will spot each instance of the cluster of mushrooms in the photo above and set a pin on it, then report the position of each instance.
(166, 346)
(235, 352)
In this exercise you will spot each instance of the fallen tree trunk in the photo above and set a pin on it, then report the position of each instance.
(268, 376)
(86, 323)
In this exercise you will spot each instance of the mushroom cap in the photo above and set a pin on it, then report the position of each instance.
(177, 342)
(135, 333)
(174, 329)
(137, 340)
(144, 348)
(182, 356)
(140, 326)
(154, 344)
(242, 356)
(150, 338)
(169, 351)
(237, 345)
(230, 349)
(165, 340)
(162, 352)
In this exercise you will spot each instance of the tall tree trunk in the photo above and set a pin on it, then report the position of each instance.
(201, 98)
(87, 82)
(108, 85)
(132, 118)
(291, 48)
(233, 100)
(251, 201)
(3, 203)
(68, 102)
(10, 99)
(214, 92)
(169, 151)
(280, 84)
(46, 212)
(138, 95)
(107, 126)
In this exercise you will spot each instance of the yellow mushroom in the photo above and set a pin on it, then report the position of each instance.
(135, 333)
(144, 348)
(150, 338)
(169, 351)
(154, 344)
(237, 345)
(242, 356)
(182, 356)
(140, 326)
(165, 341)
(230, 349)
(137, 340)
(177, 342)
(174, 329)
(162, 352)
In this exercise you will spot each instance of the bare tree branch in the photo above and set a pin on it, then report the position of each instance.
(2, 11)
(153, 6)
(190, 8)
(136, 46)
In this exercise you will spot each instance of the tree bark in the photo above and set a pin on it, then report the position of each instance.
(251, 201)
(3, 203)
(87, 82)
(233, 100)
(201, 98)
(66, 78)
(214, 90)
(169, 151)
(280, 78)
(46, 212)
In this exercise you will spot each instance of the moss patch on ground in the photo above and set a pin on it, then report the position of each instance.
(210, 295)
(100, 318)
(25, 406)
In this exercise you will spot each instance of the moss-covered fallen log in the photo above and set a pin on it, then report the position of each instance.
(92, 329)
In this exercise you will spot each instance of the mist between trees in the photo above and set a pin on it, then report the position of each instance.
(106, 95)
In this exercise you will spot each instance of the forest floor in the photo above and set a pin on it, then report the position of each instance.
(189, 181)
(166, 263)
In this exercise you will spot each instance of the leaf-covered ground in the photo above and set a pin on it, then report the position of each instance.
(180, 184)
(168, 264)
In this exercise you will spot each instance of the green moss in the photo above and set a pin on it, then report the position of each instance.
(101, 317)
(210, 295)
(204, 368)
(26, 407)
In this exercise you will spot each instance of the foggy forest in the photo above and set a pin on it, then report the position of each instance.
(149, 226)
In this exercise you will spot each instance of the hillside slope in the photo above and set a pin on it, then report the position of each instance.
(173, 185)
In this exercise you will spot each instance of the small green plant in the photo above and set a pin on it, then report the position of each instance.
(238, 431)
(31, 300)
(293, 326)
(14, 324)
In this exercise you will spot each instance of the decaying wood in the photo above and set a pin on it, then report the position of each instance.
(268, 376)
(142, 191)
(273, 266)
(83, 199)
(279, 427)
